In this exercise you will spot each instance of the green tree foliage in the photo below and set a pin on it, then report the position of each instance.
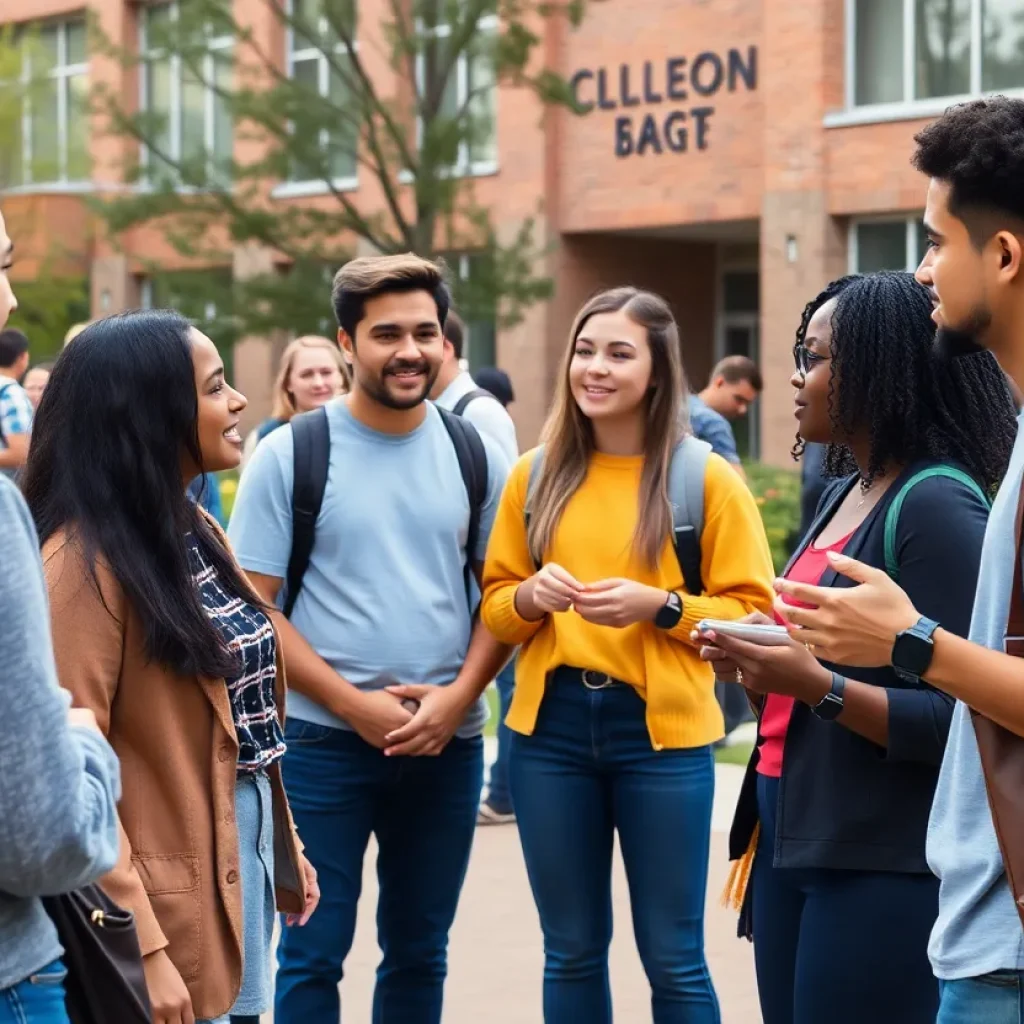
(406, 106)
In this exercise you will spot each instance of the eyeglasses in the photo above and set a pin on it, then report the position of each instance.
(805, 359)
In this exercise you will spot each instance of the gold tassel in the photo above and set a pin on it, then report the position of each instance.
(735, 890)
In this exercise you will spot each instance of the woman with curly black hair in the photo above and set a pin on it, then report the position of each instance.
(835, 805)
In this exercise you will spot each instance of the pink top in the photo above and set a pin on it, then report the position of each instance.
(808, 568)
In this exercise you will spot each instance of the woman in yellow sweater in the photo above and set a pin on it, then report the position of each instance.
(614, 713)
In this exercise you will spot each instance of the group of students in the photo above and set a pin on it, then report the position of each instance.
(388, 558)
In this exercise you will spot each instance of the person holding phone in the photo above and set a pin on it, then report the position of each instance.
(835, 804)
(613, 714)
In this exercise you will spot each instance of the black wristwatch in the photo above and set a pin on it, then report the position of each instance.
(831, 705)
(913, 650)
(670, 612)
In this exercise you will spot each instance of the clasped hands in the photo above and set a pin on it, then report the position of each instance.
(610, 602)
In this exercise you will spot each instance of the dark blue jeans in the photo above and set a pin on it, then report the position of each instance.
(422, 811)
(39, 999)
(588, 771)
(498, 795)
(842, 947)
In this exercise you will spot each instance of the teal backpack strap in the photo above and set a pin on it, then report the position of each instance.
(686, 494)
(892, 516)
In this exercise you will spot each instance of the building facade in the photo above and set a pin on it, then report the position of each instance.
(733, 155)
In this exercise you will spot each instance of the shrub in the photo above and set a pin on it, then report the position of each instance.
(777, 492)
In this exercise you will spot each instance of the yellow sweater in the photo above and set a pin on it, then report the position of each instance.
(593, 541)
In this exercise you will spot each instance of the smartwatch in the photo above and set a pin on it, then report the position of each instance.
(912, 652)
(670, 612)
(830, 707)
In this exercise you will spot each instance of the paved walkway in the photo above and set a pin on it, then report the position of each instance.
(496, 958)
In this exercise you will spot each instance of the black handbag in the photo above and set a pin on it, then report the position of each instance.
(105, 982)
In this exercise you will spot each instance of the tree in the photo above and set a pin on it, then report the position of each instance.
(406, 104)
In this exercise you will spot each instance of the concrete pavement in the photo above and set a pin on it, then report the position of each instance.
(496, 956)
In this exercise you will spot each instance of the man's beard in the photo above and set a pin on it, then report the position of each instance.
(958, 342)
(379, 392)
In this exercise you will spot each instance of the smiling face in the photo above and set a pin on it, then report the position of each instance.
(610, 369)
(219, 409)
(397, 352)
(813, 377)
(34, 384)
(315, 378)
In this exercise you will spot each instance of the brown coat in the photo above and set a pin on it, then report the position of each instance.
(175, 737)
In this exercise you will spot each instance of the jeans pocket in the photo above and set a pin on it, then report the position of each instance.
(1000, 979)
(306, 734)
(51, 974)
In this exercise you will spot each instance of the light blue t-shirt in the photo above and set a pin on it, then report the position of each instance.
(978, 930)
(384, 598)
(714, 428)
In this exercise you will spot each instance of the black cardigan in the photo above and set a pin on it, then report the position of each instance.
(845, 802)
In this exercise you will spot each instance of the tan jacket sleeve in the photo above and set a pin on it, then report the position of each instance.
(88, 642)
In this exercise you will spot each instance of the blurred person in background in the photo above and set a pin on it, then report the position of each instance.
(34, 382)
(497, 382)
(16, 410)
(60, 780)
(734, 386)
(312, 372)
(158, 632)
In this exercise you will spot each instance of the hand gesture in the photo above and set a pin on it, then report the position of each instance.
(725, 668)
(553, 589)
(850, 625)
(378, 714)
(440, 713)
(168, 995)
(618, 602)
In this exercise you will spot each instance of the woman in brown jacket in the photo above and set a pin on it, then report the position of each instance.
(158, 632)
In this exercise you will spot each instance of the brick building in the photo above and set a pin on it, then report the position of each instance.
(735, 155)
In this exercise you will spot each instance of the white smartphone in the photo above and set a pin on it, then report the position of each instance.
(752, 632)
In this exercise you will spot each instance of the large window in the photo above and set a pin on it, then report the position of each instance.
(470, 93)
(904, 51)
(51, 144)
(887, 245)
(319, 61)
(183, 92)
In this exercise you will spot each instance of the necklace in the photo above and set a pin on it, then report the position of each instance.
(865, 493)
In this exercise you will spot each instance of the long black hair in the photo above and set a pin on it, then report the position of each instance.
(888, 380)
(105, 464)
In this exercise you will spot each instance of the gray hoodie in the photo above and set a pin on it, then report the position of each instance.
(59, 784)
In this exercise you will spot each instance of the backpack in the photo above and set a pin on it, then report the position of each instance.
(460, 406)
(311, 439)
(686, 494)
(892, 516)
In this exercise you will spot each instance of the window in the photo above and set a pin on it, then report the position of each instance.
(887, 245)
(182, 91)
(738, 334)
(470, 93)
(52, 146)
(474, 301)
(319, 61)
(910, 50)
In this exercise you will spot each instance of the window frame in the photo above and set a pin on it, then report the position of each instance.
(298, 187)
(912, 241)
(214, 45)
(913, 108)
(62, 72)
(465, 167)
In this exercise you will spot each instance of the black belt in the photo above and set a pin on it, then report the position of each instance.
(590, 678)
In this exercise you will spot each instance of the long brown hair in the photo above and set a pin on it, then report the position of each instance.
(568, 435)
(284, 402)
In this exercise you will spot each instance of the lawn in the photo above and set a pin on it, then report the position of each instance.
(739, 754)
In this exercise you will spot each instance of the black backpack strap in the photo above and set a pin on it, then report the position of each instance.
(460, 406)
(472, 456)
(311, 439)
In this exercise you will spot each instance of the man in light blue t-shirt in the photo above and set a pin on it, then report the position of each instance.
(974, 157)
(386, 663)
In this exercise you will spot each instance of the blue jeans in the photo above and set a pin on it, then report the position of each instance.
(498, 795)
(843, 947)
(588, 771)
(39, 999)
(992, 999)
(422, 811)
